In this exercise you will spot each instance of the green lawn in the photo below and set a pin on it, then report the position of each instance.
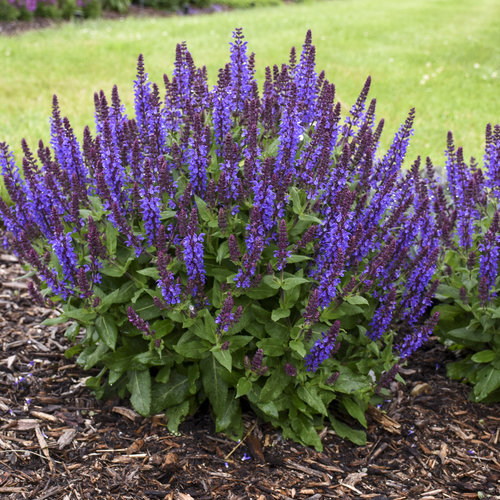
(440, 56)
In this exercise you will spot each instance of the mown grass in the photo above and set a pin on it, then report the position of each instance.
(440, 56)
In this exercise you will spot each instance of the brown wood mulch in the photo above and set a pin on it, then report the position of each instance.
(57, 442)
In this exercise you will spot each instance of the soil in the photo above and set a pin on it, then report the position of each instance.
(57, 442)
(10, 28)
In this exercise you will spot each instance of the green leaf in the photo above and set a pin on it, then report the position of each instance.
(484, 356)
(349, 382)
(191, 347)
(162, 327)
(243, 386)
(200, 330)
(296, 203)
(202, 209)
(344, 431)
(271, 281)
(72, 331)
(73, 351)
(310, 218)
(222, 252)
(298, 346)
(277, 314)
(172, 393)
(139, 385)
(84, 316)
(55, 321)
(274, 386)
(266, 288)
(119, 296)
(146, 308)
(304, 430)
(309, 395)
(223, 357)
(297, 258)
(290, 283)
(354, 409)
(115, 269)
(152, 272)
(96, 204)
(271, 346)
(238, 341)
(175, 415)
(445, 291)
(356, 300)
(168, 214)
(214, 386)
(107, 330)
(489, 381)
(92, 355)
(468, 336)
(230, 420)
(111, 238)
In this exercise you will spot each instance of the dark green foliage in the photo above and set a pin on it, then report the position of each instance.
(7, 11)
(92, 9)
(48, 9)
(116, 5)
(68, 8)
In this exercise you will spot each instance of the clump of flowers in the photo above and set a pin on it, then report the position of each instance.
(470, 319)
(231, 243)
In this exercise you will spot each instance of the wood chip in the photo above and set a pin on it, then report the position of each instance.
(26, 424)
(255, 447)
(421, 388)
(135, 446)
(388, 423)
(127, 413)
(442, 453)
(45, 416)
(66, 438)
(43, 446)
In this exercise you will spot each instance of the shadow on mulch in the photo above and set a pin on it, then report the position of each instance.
(57, 442)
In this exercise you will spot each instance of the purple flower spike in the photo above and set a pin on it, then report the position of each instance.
(323, 348)
(282, 254)
(138, 322)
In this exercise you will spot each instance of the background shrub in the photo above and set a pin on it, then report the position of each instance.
(470, 308)
(121, 6)
(232, 245)
(48, 8)
(91, 9)
(8, 12)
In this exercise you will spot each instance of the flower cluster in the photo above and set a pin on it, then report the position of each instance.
(231, 227)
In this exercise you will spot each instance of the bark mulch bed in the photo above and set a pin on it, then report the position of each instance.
(58, 442)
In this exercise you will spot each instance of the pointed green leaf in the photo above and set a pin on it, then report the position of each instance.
(279, 313)
(152, 272)
(290, 283)
(483, 356)
(107, 330)
(310, 395)
(243, 386)
(139, 385)
(223, 357)
(214, 386)
(344, 431)
(274, 386)
(172, 393)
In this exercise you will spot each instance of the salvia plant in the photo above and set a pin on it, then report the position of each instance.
(232, 247)
(470, 308)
